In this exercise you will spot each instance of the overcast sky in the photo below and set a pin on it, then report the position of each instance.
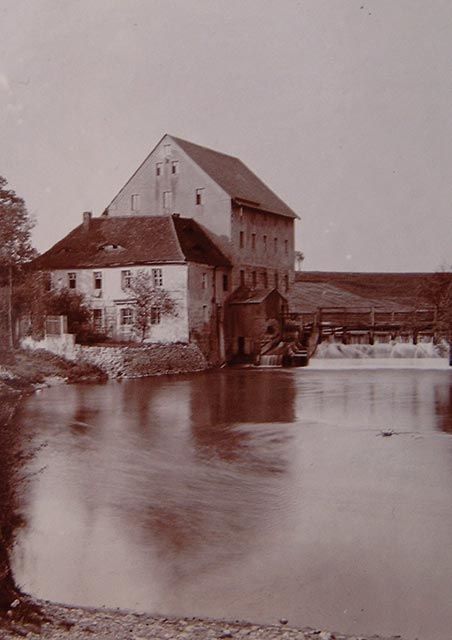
(343, 107)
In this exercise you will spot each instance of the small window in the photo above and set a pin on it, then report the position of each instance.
(167, 200)
(242, 239)
(199, 196)
(159, 168)
(276, 280)
(254, 276)
(265, 279)
(72, 280)
(157, 277)
(167, 150)
(286, 247)
(241, 213)
(126, 279)
(275, 244)
(205, 313)
(135, 202)
(156, 315)
(265, 242)
(126, 316)
(225, 282)
(242, 277)
(175, 168)
(286, 282)
(97, 319)
(204, 281)
(98, 279)
(253, 241)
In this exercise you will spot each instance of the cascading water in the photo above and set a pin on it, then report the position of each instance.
(270, 360)
(391, 349)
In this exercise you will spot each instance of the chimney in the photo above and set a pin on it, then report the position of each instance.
(87, 215)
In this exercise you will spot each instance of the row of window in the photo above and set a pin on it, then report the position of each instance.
(125, 317)
(174, 168)
(126, 279)
(135, 200)
(265, 243)
(263, 280)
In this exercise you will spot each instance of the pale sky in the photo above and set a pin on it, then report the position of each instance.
(343, 107)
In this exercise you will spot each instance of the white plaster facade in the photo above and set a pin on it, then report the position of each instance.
(112, 297)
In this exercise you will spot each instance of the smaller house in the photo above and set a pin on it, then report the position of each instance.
(100, 258)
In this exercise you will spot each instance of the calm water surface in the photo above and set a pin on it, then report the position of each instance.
(247, 494)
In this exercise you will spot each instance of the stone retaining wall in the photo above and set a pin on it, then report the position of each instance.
(127, 361)
(136, 362)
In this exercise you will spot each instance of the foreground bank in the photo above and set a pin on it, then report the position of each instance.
(59, 622)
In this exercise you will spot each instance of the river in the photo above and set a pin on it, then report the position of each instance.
(248, 494)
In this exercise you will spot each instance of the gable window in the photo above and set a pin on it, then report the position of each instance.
(253, 241)
(97, 279)
(157, 277)
(265, 242)
(199, 196)
(126, 317)
(155, 315)
(167, 200)
(167, 150)
(72, 280)
(242, 239)
(97, 319)
(175, 168)
(159, 168)
(135, 202)
(126, 279)
(225, 282)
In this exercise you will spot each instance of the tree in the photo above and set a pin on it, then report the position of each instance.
(150, 302)
(72, 304)
(15, 243)
(299, 257)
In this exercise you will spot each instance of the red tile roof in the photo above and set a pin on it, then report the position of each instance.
(132, 240)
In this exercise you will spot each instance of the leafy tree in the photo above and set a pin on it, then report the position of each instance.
(72, 304)
(149, 301)
(15, 243)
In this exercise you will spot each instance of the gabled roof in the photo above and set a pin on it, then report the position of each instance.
(235, 178)
(132, 240)
(244, 295)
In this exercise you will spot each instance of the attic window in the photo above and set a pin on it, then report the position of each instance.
(167, 150)
(159, 168)
(199, 196)
(175, 168)
(111, 247)
(135, 202)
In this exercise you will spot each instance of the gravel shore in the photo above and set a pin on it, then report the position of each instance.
(57, 622)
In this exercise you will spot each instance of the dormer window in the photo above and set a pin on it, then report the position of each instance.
(111, 247)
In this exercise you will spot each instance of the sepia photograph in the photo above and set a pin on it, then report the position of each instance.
(225, 319)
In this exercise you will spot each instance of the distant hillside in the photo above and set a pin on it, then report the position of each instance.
(399, 288)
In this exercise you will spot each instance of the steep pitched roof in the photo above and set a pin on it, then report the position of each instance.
(235, 178)
(132, 240)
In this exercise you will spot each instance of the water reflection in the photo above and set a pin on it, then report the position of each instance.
(247, 494)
